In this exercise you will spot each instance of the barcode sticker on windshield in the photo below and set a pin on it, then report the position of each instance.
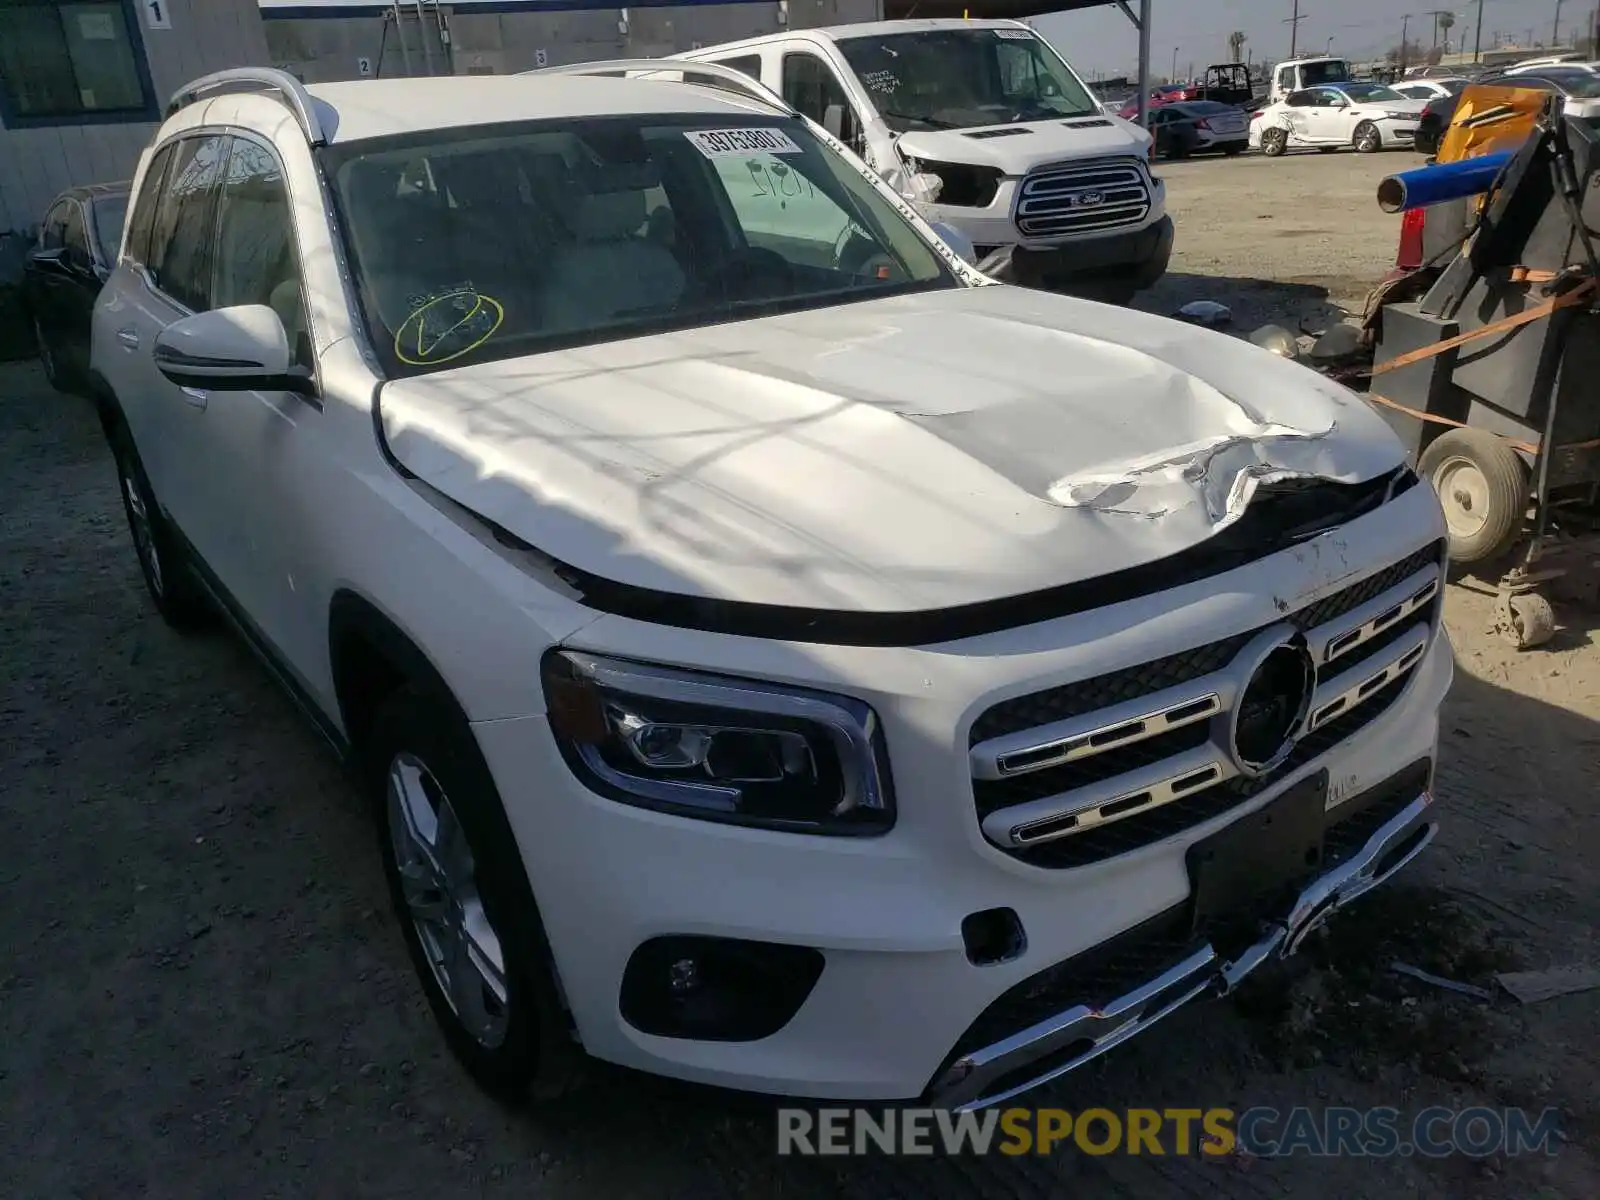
(1015, 34)
(720, 143)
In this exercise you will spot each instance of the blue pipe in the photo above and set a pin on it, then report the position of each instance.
(1438, 182)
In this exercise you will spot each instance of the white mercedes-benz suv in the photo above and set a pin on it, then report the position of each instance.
(780, 657)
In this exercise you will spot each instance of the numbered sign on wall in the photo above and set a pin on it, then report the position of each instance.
(156, 14)
(363, 66)
(541, 59)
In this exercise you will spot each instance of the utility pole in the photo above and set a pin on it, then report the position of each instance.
(1293, 22)
(1405, 44)
(1173, 78)
(1555, 38)
(1477, 41)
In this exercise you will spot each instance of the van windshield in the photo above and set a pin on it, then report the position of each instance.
(491, 242)
(961, 78)
(1332, 70)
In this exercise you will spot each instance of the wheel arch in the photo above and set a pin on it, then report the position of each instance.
(370, 656)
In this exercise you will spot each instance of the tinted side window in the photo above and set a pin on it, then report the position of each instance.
(256, 259)
(811, 86)
(185, 222)
(53, 228)
(76, 238)
(144, 212)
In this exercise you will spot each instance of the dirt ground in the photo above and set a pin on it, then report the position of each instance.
(202, 992)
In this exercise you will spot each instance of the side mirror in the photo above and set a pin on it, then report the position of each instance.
(53, 259)
(239, 349)
(833, 120)
(956, 240)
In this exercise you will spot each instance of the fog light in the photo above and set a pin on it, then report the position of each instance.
(716, 989)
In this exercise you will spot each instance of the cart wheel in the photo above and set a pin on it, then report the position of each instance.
(1526, 620)
(1483, 488)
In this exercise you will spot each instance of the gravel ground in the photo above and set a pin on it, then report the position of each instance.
(202, 992)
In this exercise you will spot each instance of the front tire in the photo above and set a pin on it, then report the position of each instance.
(1367, 138)
(1482, 485)
(465, 906)
(162, 563)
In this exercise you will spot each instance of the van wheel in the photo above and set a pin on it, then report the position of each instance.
(162, 562)
(1483, 488)
(1368, 140)
(1274, 142)
(465, 906)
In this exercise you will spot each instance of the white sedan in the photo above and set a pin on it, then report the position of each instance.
(1368, 116)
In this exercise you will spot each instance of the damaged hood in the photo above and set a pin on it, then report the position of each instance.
(902, 454)
(1017, 149)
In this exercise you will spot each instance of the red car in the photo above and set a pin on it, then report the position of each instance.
(1167, 93)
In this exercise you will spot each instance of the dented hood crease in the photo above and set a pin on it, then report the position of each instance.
(905, 454)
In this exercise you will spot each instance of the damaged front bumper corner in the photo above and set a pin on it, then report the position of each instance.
(1051, 1048)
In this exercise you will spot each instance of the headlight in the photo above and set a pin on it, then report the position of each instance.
(718, 748)
(1397, 116)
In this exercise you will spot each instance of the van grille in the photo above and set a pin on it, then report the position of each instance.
(1058, 201)
(1091, 769)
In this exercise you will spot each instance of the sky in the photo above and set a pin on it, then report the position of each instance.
(1102, 41)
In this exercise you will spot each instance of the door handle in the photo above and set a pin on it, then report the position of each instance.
(129, 338)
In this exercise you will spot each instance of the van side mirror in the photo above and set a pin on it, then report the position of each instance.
(239, 349)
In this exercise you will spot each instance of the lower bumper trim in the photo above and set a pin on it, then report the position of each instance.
(1061, 1043)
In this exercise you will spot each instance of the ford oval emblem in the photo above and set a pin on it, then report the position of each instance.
(1088, 199)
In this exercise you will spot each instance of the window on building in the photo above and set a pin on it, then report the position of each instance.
(71, 60)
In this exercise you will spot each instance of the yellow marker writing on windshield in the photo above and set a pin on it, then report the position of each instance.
(446, 327)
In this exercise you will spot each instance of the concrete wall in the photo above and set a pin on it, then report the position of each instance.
(35, 164)
(337, 47)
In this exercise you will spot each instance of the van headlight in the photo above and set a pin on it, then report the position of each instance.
(718, 748)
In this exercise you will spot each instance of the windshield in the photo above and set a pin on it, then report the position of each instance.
(1334, 70)
(109, 213)
(960, 78)
(1365, 93)
(485, 243)
(1454, 86)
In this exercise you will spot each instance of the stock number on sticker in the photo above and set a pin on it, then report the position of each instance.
(720, 143)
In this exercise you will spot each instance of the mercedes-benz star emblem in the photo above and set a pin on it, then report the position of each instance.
(1273, 707)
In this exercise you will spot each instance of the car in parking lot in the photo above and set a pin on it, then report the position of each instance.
(1188, 127)
(1430, 89)
(1568, 81)
(62, 275)
(1368, 116)
(777, 655)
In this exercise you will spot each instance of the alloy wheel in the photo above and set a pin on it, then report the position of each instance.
(438, 881)
(144, 540)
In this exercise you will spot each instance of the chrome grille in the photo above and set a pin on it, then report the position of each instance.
(1110, 193)
(1096, 768)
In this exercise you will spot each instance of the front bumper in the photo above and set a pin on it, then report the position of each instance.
(899, 1001)
(1141, 256)
(1397, 133)
(1066, 1040)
